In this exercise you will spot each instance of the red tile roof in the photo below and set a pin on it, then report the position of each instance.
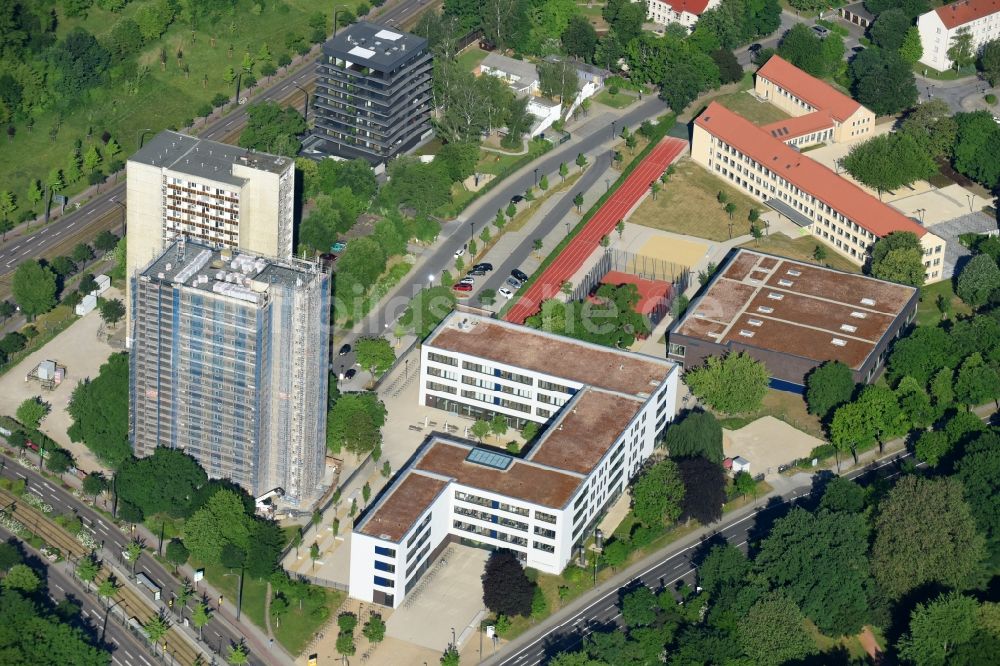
(790, 128)
(964, 11)
(818, 94)
(695, 7)
(805, 173)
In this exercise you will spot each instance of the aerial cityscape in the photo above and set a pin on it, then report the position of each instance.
(321, 342)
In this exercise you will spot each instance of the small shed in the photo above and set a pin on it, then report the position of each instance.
(103, 282)
(857, 14)
(88, 303)
(741, 464)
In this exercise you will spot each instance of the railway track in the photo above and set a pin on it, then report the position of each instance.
(176, 644)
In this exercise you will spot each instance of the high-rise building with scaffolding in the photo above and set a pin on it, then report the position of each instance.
(229, 364)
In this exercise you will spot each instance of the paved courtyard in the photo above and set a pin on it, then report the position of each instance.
(767, 443)
(80, 350)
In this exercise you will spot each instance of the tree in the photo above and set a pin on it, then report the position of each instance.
(201, 615)
(962, 52)
(639, 607)
(697, 434)
(882, 81)
(578, 201)
(889, 161)
(772, 632)
(932, 446)
(34, 288)
(730, 69)
(450, 657)
(498, 425)
(59, 461)
(558, 78)
(827, 387)
(506, 588)
(704, 489)
(87, 570)
(979, 472)
(579, 38)
(376, 354)
(273, 129)
(890, 29)
(169, 481)
(657, 494)
(374, 629)
(177, 553)
(63, 266)
(820, 561)
(989, 61)
(112, 311)
(842, 495)
(94, 484)
(222, 521)
(915, 402)
(931, 124)
(355, 423)
(480, 429)
(976, 382)
(105, 241)
(976, 148)
(898, 257)
(81, 253)
(911, 50)
(8, 204)
(21, 577)
(937, 626)
(978, 281)
(924, 533)
(239, 655)
(802, 47)
(733, 384)
(31, 412)
(107, 589)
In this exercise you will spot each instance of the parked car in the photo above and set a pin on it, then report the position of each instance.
(460, 251)
(345, 350)
(505, 292)
(520, 275)
(514, 283)
(350, 373)
(467, 280)
(485, 266)
(476, 272)
(821, 31)
(753, 48)
(463, 287)
(328, 257)
(516, 199)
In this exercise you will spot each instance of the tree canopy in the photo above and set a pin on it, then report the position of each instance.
(889, 161)
(34, 288)
(883, 81)
(704, 489)
(99, 408)
(696, 434)
(164, 482)
(355, 422)
(829, 386)
(976, 147)
(657, 494)
(272, 128)
(32, 634)
(898, 257)
(733, 384)
(609, 319)
(506, 588)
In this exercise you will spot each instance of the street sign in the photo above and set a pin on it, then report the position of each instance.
(198, 574)
(60, 199)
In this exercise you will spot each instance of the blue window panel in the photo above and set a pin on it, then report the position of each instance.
(383, 582)
(385, 566)
(388, 552)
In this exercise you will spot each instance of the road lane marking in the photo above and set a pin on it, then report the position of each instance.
(91, 211)
(70, 225)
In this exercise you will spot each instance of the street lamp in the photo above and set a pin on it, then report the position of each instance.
(536, 177)
(124, 214)
(305, 110)
(567, 228)
(472, 232)
(453, 642)
(613, 122)
(971, 199)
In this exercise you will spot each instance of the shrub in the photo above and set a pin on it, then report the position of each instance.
(990, 98)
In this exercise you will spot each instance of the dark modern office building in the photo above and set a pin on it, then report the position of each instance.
(373, 93)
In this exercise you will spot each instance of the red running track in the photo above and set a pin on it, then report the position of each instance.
(601, 224)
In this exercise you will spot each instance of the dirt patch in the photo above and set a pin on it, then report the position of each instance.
(801, 249)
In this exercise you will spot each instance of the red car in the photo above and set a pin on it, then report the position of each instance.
(462, 287)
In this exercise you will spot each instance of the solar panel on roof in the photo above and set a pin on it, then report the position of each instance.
(489, 459)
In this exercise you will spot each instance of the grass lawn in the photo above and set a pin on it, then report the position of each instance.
(254, 591)
(788, 407)
(754, 110)
(619, 101)
(299, 626)
(947, 75)
(850, 643)
(688, 205)
(927, 310)
(165, 97)
(470, 58)
(48, 325)
(801, 249)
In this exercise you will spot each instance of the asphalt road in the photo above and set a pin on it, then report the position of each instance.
(457, 232)
(603, 613)
(218, 634)
(112, 200)
(125, 648)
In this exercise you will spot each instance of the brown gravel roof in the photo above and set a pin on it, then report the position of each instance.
(586, 431)
(401, 508)
(523, 347)
(816, 306)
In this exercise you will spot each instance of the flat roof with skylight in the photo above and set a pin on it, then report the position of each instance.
(792, 307)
